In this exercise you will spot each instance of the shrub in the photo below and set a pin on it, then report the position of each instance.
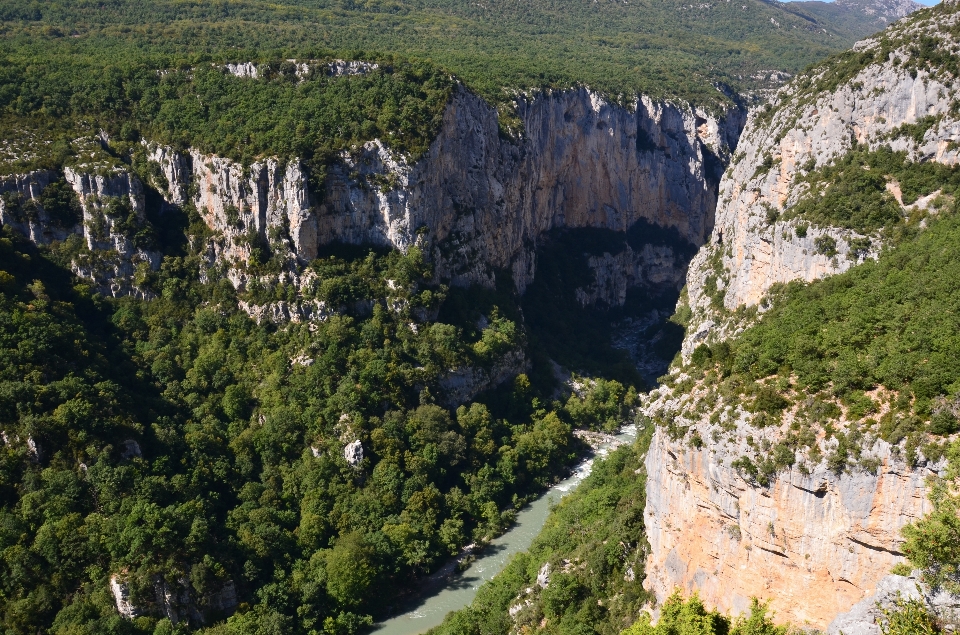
(825, 246)
(907, 617)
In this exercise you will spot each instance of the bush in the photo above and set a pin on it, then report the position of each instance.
(907, 617)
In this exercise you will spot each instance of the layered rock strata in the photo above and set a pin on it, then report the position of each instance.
(813, 543)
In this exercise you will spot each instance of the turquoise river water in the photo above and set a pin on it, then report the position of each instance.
(454, 591)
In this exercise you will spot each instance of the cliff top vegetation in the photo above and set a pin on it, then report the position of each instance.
(70, 68)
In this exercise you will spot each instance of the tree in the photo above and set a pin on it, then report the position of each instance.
(350, 570)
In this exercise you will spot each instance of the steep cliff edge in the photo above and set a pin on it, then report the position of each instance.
(751, 491)
(813, 542)
(476, 202)
(583, 162)
(887, 92)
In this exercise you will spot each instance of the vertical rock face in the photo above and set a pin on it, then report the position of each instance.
(111, 206)
(814, 544)
(113, 213)
(481, 201)
(484, 201)
(268, 201)
(476, 201)
(812, 541)
(175, 601)
(749, 250)
(17, 189)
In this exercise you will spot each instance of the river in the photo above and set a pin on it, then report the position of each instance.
(457, 590)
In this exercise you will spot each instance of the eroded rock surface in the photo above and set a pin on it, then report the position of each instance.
(813, 543)
(749, 250)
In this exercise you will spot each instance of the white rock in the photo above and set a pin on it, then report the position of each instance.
(353, 453)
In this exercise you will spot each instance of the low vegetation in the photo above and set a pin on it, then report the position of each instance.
(832, 366)
(854, 192)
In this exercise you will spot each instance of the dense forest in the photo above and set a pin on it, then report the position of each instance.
(178, 445)
(658, 48)
(155, 70)
(171, 458)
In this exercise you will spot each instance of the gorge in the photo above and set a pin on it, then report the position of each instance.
(281, 336)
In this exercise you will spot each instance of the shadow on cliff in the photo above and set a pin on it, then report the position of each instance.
(601, 301)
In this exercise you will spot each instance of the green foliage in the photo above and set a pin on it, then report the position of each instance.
(664, 49)
(885, 323)
(932, 544)
(691, 617)
(852, 192)
(605, 405)
(593, 542)
(907, 617)
(205, 107)
(241, 428)
(929, 52)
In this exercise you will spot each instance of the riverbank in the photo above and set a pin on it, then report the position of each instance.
(450, 589)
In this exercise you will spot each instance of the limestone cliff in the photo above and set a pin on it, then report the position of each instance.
(477, 202)
(813, 542)
(105, 210)
(813, 539)
(883, 93)
(483, 201)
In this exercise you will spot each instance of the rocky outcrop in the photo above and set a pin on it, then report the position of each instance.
(750, 249)
(353, 453)
(461, 384)
(21, 210)
(654, 266)
(866, 616)
(111, 214)
(479, 201)
(812, 542)
(881, 12)
(175, 601)
(815, 541)
(484, 201)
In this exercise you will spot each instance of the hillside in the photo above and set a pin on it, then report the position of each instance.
(268, 356)
(291, 294)
(794, 400)
(659, 48)
(860, 18)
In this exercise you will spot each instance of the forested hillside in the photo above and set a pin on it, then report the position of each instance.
(656, 48)
(174, 461)
(175, 444)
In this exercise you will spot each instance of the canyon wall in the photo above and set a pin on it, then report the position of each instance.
(814, 541)
(477, 202)
(109, 215)
(483, 201)
(801, 131)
